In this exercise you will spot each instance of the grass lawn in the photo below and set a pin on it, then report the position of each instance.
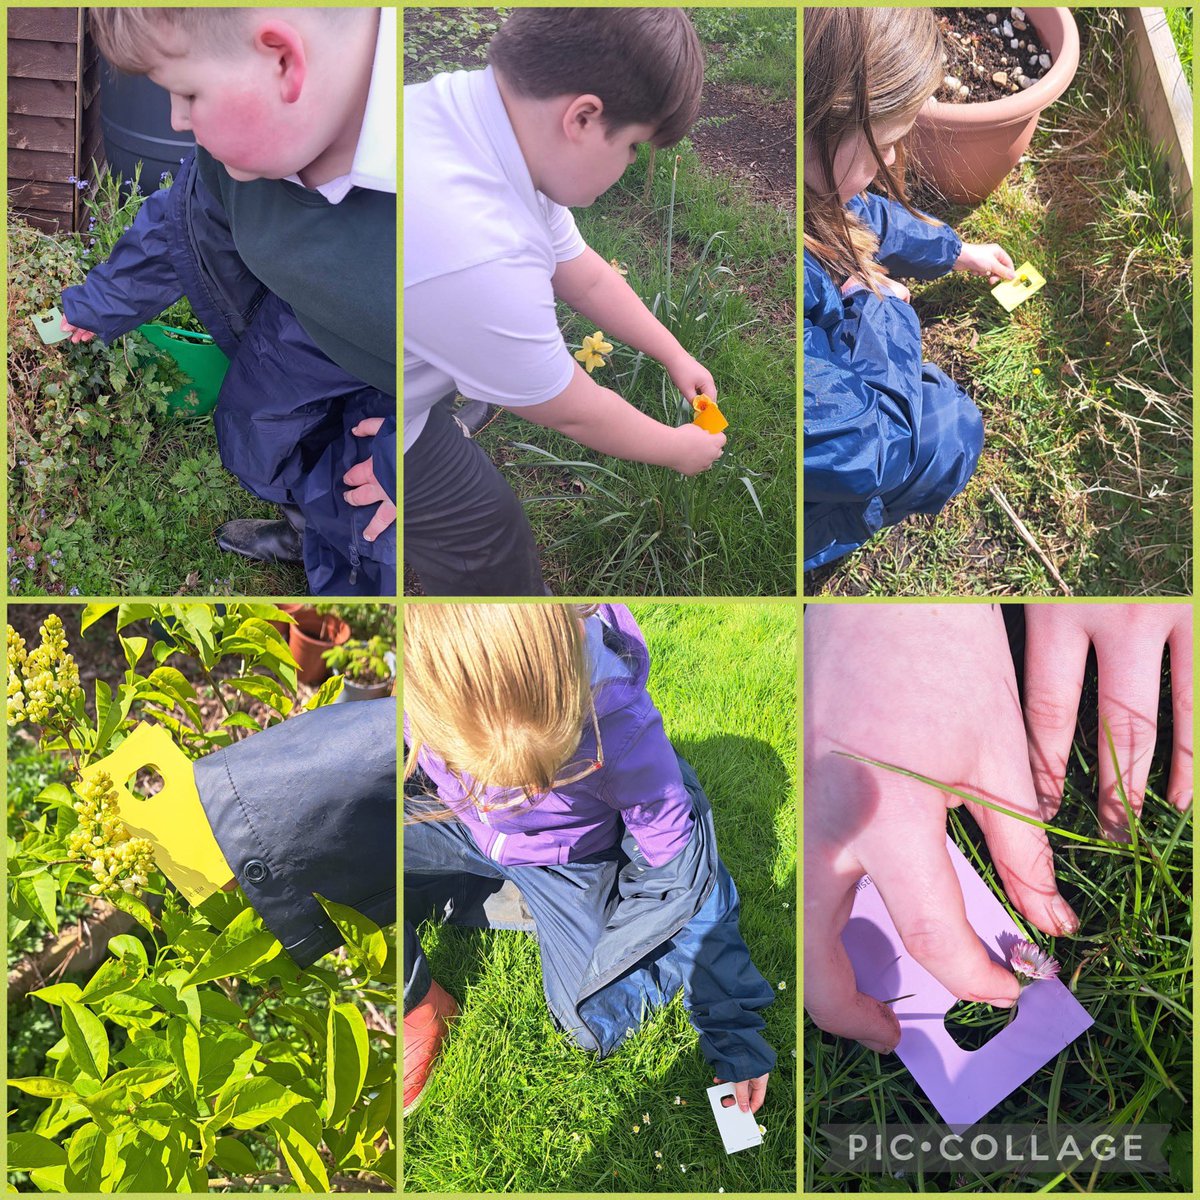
(1086, 389)
(715, 260)
(1129, 965)
(512, 1106)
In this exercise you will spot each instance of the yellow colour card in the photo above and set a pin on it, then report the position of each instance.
(1012, 292)
(173, 821)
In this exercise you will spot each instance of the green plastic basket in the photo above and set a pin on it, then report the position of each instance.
(199, 358)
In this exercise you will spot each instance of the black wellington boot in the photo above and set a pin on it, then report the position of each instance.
(265, 541)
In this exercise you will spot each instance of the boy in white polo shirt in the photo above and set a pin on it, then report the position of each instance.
(492, 160)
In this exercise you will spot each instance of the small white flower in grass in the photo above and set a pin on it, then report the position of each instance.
(658, 1166)
(1030, 962)
(783, 985)
(575, 1137)
(762, 1129)
(645, 1118)
(682, 1169)
(658, 1154)
(637, 1129)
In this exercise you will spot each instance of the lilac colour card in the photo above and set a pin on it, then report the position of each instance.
(963, 1085)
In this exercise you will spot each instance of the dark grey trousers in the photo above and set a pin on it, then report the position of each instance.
(465, 531)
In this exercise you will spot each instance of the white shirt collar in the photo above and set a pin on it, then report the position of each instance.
(374, 165)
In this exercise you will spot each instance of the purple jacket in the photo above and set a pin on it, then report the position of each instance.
(639, 788)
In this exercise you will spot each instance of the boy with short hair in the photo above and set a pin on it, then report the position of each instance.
(492, 159)
(280, 231)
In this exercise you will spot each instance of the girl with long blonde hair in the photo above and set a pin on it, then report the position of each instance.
(542, 792)
(885, 434)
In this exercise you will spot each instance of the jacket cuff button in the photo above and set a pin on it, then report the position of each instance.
(255, 871)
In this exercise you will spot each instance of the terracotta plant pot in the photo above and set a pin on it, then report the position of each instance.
(313, 634)
(966, 150)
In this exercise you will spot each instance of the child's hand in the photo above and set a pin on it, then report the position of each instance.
(749, 1093)
(931, 689)
(986, 259)
(690, 377)
(695, 450)
(77, 334)
(365, 488)
(1129, 641)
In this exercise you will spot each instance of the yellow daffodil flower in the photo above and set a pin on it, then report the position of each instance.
(592, 352)
(707, 415)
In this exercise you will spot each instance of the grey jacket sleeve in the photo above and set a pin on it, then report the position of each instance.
(307, 806)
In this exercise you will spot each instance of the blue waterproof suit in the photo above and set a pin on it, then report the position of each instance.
(285, 412)
(885, 434)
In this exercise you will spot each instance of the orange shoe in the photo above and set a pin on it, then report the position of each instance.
(425, 1029)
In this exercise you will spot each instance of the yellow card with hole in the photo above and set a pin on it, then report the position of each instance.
(1011, 292)
(173, 821)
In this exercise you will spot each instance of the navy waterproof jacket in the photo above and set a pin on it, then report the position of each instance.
(885, 434)
(286, 410)
(309, 806)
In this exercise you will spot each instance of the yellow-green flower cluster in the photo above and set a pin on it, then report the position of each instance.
(50, 680)
(16, 692)
(118, 862)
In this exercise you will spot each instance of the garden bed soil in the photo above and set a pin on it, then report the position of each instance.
(980, 56)
(742, 134)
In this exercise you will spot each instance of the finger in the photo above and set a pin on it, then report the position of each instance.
(1055, 657)
(385, 514)
(831, 994)
(1022, 853)
(758, 1092)
(367, 427)
(363, 472)
(923, 896)
(741, 1093)
(720, 438)
(1130, 674)
(1179, 790)
(368, 493)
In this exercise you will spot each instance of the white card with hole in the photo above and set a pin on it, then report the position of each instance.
(739, 1130)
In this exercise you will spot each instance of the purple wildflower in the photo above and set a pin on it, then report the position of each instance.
(30, 562)
(73, 592)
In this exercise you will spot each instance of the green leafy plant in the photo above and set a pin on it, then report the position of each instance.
(197, 1055)
(361, 662)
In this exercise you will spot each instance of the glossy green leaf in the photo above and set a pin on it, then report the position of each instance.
(92, 613)
(56, 993)
(346, 1055)
(240, 945)
(302, 1157)
(40, 1085)
(86, 1038)
(134, 648)
(126, 945)
(361, 933)
(29, 1150)
(257, 1101)
(184, 1045)
(91, 1156)
(235, 1157)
